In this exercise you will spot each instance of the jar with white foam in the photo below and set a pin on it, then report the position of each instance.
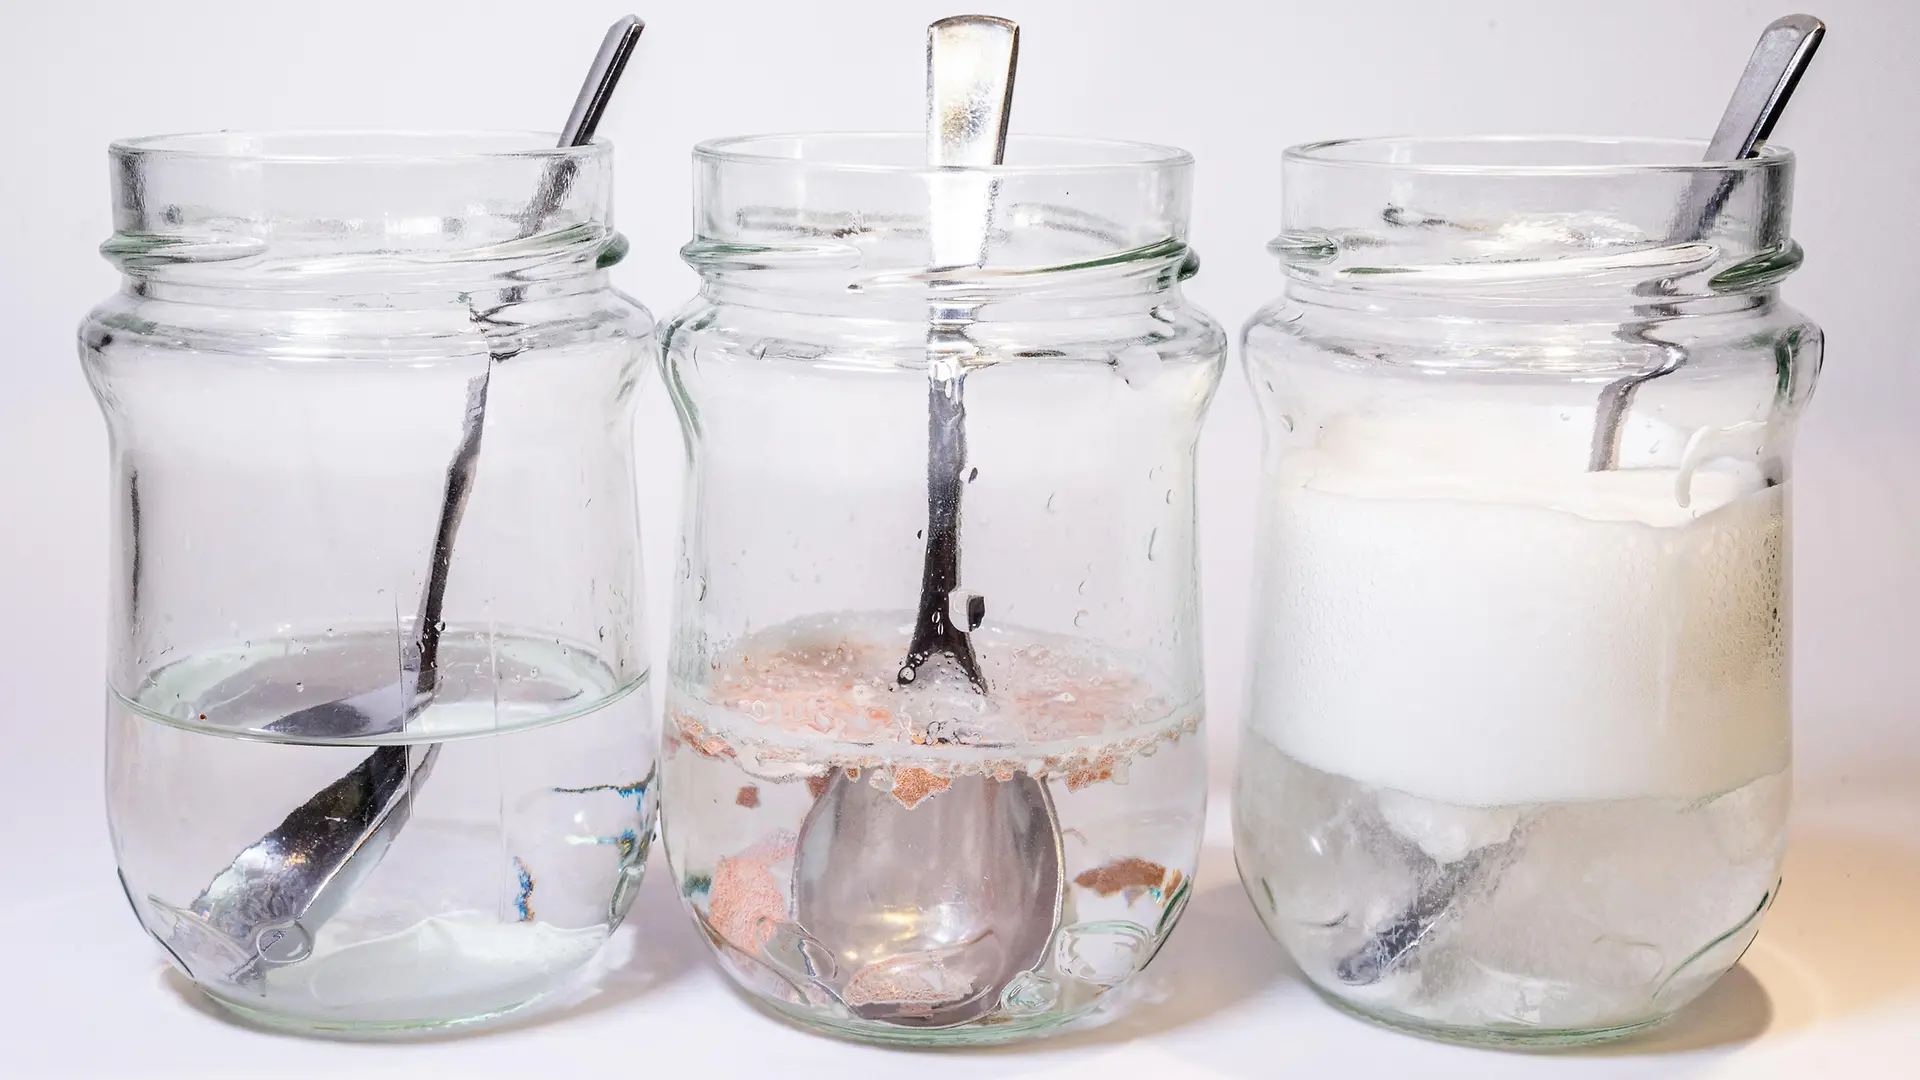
(1515, 764)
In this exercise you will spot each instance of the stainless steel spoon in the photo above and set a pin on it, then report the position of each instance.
(265, 908)
(929, 912)
(1785, 48)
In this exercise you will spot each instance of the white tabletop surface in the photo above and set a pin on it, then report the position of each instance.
(1830, 989)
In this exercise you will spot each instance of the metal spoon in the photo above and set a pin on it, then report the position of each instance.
(265, 908)
(1785, 48)
(930, 911)
(970, 66)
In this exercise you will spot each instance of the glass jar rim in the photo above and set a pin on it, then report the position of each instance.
(1526, 156)
(356, 146)
(903, 153)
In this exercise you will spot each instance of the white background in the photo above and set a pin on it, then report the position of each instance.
(1833, 981)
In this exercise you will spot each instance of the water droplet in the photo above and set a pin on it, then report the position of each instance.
(1051, 495)
(1081, 588)
(1080, 617)
(299, 687)
(1028, 993)
(973, 474)
(1151, 538)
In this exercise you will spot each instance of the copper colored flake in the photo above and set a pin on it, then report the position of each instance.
(1078, 765)
(748, 797)
(745, 903)
(1122, 874)
(795, 702)
(1090, 773)
(911, 784)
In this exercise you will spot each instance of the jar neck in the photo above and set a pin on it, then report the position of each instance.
(376, 283)
(1124, 283)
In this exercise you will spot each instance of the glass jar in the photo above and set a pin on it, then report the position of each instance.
(376, 759)
(1516, 761)
(897, 847)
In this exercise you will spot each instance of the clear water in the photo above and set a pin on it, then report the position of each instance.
(1542, 922)
(752, 744)
(521, 854)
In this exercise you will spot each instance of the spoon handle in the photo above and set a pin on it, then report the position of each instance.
(970, 67)
(615, 50)
(1780, 57)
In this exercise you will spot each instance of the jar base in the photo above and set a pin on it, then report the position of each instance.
(372, 1030)
(1506, 1038)
(998, 1033)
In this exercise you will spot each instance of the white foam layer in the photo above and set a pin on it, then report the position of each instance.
(1458, 611)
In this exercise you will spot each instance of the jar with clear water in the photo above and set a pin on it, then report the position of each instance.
(1516, 763)
(903, 850)
(320, 339)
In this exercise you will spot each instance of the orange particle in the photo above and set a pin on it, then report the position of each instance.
(1121, 874)
(912, 784)
(748, 797)
(744, 903)
(1091, 773)
(817, 785)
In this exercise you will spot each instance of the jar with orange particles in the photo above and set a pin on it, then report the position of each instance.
(986, 839)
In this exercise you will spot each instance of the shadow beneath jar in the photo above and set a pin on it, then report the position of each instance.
(1843, 937)
(656, 945)
(1219, 956)
(1734, 1010)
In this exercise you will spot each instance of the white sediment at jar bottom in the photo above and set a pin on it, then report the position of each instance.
(443, 967)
